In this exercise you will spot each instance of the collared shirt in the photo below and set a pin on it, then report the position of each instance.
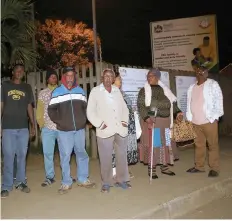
(109, 96)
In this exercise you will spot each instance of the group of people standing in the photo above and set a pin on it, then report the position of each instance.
(62, 113)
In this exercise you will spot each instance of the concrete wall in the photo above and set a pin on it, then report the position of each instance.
(225, 82)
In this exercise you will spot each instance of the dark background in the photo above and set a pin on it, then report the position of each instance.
(123, 26)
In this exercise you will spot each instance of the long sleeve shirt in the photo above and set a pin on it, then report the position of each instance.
(109, 109)
(158, 100)
(213, 101)
(42, 117)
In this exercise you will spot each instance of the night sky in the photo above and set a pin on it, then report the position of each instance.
(123, 25)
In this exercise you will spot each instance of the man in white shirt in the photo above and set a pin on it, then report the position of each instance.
(204, 107)
(108, 112)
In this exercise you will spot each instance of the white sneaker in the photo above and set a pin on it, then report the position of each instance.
(64, 189)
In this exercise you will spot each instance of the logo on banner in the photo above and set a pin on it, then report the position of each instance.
(158, 29)
(204, 23)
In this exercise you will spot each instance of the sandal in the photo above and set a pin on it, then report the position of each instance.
(131, 175)
(165, 170)
(105, 188)
(154, 175)
(48, 182)
(194, 170)
(168, 172)
(124, 185)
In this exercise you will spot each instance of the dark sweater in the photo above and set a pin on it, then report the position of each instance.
(158, 100)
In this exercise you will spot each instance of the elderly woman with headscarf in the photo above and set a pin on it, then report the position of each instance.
(157, 96)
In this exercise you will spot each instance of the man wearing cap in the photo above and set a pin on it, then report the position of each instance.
(67, 109)
(48, 128)
(204, 107)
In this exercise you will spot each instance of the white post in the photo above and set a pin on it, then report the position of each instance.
(152, 152)
(94, 31)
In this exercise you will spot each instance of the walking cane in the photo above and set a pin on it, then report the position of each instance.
(154, 110)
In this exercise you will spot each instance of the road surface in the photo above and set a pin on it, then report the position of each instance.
(218, 209)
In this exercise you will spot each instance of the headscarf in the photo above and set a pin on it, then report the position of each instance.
(168, 93)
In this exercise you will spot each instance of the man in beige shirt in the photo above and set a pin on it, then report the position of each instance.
(108, 112)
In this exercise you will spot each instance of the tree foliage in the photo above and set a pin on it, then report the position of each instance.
(64, 43)
(17, 31)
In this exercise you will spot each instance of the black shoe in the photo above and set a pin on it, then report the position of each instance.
(169, 173)
(154, 176)
(176, 160)
(194, 170)
(4, 193)
(48, 182)
(213, 173)
(23, 187)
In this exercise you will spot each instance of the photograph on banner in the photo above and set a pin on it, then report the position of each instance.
(133, 79)
(182, 85)
(186, 43)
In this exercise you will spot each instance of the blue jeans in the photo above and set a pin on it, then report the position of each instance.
(14, 142)
(15, 166)
(48, 140)
(67, 140)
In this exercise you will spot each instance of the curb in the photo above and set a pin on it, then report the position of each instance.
(189, 202)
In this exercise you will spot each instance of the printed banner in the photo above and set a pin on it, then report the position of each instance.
(182, 85)
(185, 44)
(133, 80)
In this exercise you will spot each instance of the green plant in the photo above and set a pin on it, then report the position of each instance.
(17, 32)
(64, 43)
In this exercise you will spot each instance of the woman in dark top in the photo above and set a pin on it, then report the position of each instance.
(155, 95)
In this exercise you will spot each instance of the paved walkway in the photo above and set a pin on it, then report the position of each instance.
(79, 203)
(218, 209)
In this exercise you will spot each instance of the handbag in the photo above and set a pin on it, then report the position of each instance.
(137, 125)
(183, 131)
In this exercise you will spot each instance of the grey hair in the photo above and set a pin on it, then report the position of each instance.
(108, 70)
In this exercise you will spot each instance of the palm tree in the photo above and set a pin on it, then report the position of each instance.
(17, 31)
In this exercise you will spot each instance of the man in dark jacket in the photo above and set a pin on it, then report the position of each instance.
(67, 109)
